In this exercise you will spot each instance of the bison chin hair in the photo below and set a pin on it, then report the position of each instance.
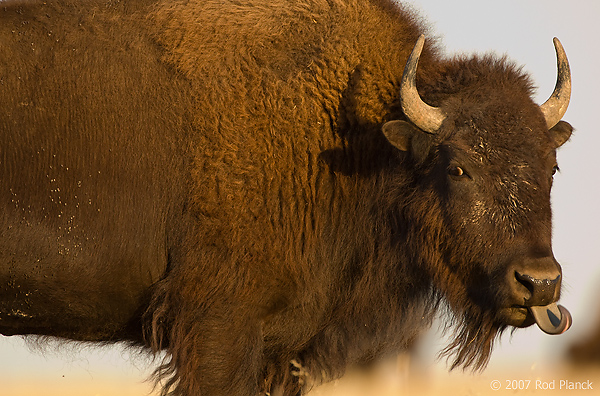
(473, 336)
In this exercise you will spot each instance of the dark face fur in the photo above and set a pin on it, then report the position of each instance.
(490, 167)
(494, 171)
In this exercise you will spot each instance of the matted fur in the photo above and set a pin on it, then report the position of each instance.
(289, 239)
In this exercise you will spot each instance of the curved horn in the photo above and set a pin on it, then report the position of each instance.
(426, 117)
(556, 106)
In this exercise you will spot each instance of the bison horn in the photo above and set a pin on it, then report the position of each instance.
(556, 106)
(426, 117)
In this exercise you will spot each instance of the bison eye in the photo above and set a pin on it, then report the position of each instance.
(555, 169)
(456, 171)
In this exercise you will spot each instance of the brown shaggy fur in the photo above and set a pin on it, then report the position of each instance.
(277, 223)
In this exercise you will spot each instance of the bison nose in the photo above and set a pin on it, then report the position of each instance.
(536, 281)
(541, 291)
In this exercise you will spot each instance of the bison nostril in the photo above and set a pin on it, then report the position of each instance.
(525, 281)
(541, 291)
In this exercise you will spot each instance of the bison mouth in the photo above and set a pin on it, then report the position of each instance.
(551, 318)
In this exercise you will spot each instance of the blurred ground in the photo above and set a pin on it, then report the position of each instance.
(74, 369)
(388, 380)
(393, 377)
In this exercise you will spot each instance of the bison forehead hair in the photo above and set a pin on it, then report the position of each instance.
(246, 184)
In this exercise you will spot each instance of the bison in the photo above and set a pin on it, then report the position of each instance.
(268, 188)
(586, 350)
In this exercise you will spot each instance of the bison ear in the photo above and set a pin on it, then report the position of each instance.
(560, 133)
(399, 133)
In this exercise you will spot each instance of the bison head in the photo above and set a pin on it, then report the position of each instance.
(488, 153)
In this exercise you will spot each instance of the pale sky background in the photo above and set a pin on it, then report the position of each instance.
(522, 29)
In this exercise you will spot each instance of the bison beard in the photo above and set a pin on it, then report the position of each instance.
(268, 191)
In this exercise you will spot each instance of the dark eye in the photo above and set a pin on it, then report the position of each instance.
(555, 169)
(456, 171)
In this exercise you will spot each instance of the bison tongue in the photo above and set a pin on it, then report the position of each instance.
(552, 319)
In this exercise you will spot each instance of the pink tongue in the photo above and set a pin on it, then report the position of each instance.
(552, 319)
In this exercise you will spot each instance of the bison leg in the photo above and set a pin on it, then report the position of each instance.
(218, 352)
(207, 314)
